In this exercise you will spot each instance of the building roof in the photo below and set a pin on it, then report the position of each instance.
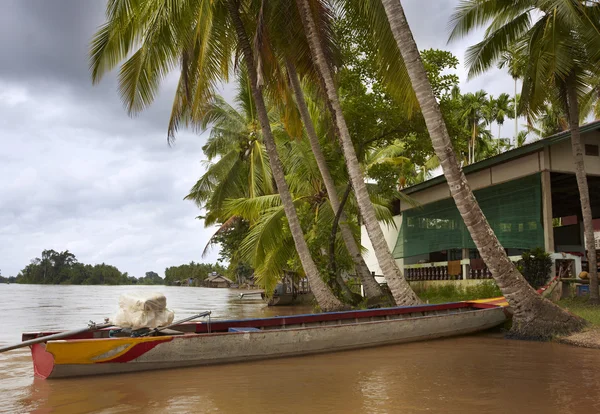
(217, 278)
(506, 156)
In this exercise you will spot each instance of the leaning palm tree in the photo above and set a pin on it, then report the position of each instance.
(267, 247)
(201, 37)
(370, 285)
(401, 290)
(562, 43)
(533, 315)
(279, 45)
(282, 47)
(323, 295)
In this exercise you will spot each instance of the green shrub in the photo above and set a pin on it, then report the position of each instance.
(455, 293)
(535, 266)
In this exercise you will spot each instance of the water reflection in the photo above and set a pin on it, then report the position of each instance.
(474, 374)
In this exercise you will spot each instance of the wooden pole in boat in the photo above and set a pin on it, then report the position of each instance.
(91, 328)
(200, 315)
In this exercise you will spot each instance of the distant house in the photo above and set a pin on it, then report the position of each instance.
(217, 281)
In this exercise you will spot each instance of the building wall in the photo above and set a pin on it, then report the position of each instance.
(555, 158)
(521, 167)
(391, 234)
(561, 159)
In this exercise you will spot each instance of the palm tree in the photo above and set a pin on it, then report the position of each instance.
(199, 37)
(398, 285)
(533, 315)
(521, 138)
(503, 110)
(563, 46)
(550, 120)
(327, 301)
(513, 58)
(266, 246)
(474, 113)
(242, 168)
(280, 43)
(370, 285)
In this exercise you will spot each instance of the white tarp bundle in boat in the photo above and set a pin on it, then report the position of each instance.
(142, 310)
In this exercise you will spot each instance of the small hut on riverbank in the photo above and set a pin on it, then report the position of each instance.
(217, 281)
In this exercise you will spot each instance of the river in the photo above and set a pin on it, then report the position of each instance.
(476, 374)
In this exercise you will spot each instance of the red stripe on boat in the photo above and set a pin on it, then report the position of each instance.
(43, 361)
(138, 350)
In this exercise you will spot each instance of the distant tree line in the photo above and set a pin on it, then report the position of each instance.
(199, 271)
(10, 279)
(62, 268)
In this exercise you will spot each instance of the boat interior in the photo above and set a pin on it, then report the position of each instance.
(208, 326)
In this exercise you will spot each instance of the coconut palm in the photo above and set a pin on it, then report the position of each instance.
(279, 49)
(399, 287)
(237, 165)
(242, 167)
(201, 37)
(550, 120)
(561, 41)
(370, 285)
(533, 315)
(269, 248)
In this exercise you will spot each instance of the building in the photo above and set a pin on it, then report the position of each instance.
(215, 280)
(529, 196)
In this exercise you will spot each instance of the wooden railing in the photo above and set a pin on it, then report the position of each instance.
(439, 271)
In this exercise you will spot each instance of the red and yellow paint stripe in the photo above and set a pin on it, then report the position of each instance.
(94, 351)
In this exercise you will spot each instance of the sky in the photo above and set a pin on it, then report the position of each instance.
(77, 173)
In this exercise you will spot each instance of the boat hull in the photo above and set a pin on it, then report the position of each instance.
(120, 355)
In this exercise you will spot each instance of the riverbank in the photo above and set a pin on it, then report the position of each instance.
(590, 337)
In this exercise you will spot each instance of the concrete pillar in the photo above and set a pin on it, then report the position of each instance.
(547, 212)
(465, 266)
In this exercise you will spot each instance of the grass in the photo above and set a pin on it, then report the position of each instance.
(451, 293)
(580, 307)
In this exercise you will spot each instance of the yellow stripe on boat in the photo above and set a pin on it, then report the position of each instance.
(91, 351)
(499, 301)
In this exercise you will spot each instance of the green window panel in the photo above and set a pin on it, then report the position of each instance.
(513, 209)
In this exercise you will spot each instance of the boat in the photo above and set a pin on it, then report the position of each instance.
(217, 342)
(289, 293)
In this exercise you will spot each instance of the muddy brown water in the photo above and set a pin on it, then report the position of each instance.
(475, 374)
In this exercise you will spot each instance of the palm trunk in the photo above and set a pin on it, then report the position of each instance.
(474, 140)
(499, 129)
(584, 194)
(372, 288)
(326, 300)
(398, 285)
(533, 315)
(516, 117)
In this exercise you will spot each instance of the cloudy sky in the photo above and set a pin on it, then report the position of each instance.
(77, 173)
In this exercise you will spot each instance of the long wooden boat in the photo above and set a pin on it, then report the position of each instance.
(195, 343)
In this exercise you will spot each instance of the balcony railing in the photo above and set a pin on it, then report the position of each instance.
(439, 271)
